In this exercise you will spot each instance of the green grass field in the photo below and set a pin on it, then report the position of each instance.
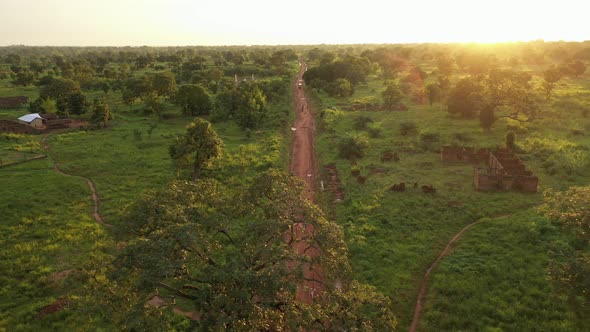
(394, 237)
(47, 224)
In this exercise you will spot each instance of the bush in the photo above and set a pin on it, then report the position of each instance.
(329, 118)
(374, 130)
(407, 128)
(353, 146)
(360, 122)
(428, 136)
(558, 154)
(339, 88)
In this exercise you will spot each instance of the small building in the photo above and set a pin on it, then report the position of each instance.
(34, 120)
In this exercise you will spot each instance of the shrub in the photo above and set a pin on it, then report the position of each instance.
(428, 136)
(374, 130)
(329, 118)
(353, 146)
(340, 88)
(558, 154)
(360, 122)
(407, 128)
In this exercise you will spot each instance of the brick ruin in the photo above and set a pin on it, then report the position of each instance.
(7, 126)
(503, 170)
(13, 102)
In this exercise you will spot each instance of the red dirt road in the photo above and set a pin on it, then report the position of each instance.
(303, 166)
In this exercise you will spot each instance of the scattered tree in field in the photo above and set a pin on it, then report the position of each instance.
(577, 68)
(101, 113)
(550, 78)
(66, 94)
(360, 122)
(153, 105)
(136, 88)
(487, 118)
(77, 103)
(445, 65)
(510, 90)
(23, 77)
(392, 95)
(251, 106)
(163, 84)
(193, 100)
(407, 128)
(353, 69)
(198, 147)
(48, 106)
(434, 93)
(340, 88)
(465, 98)
(353, 146)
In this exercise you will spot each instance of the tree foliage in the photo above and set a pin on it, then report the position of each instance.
(570, 267)
(198, 147)
(101, 112)
(465, 98)
(353, 69)
(392, 95)
(193, 100)
(246, 104)
(340, 88)
(230, 259)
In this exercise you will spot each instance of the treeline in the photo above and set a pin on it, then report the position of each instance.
(227, 82)
(472, 81)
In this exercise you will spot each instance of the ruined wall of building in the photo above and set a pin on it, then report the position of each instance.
(503, 171)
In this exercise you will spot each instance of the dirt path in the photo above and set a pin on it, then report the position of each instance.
(95, 199)
(304, 167)
(302, 150)
(424, 284)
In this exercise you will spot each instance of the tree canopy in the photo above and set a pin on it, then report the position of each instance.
(198, 147)
(193, 100)
(229, 258)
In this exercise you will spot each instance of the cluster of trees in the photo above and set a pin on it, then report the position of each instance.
(244, 103)
(504, 89)
(570, 266)
(61, 96)
(338, 76)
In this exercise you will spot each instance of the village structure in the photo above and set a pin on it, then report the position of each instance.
(502, 171)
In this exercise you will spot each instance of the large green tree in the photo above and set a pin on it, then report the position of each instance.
(466, 98)
(251, 106)
(163, 84)
(101, 113)
(198, 147)
(392, 95)
(229, 259)
(193, 100)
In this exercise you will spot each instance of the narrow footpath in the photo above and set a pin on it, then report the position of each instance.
(303, 166)
(95, 199)
(418, 309)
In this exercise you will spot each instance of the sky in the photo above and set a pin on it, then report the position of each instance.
(278, 22)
